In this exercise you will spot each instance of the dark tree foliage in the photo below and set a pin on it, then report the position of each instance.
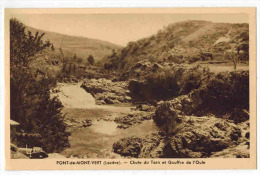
(224, 92)
(75, 57)
(166, 118)
(91, 59)
(52, 47)
(23, 44)
(31, 104)
(64, 60)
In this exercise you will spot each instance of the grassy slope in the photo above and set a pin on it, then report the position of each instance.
(82, 46)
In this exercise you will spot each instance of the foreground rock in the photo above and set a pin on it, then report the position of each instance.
(197, 137)
(128, 146)
(107, 92)
(201, 136)
(240, 151)
(149, 147)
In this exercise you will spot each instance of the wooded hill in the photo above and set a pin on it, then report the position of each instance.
(185, 42)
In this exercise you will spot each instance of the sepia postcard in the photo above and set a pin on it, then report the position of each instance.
(158, 88)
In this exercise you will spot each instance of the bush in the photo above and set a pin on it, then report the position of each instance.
(220, 94)
(164, 84)
(166, 118)
(91, 60)
(169, 83)
(223, 92)
(192, 79)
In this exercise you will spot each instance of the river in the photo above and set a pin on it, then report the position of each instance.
(95, 141)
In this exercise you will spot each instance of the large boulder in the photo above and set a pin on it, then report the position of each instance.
(128, 146)
(107, 92)
(150, 147)
(200, 136)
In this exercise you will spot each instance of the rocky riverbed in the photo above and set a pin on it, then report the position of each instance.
(124, 130)
(94, 128)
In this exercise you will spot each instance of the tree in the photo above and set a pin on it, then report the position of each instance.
(31, 104)
(113, 53)
(24, 45)
(74, 68)
(52, 48)
(69, 68)
(240, 43)
(64, 60)
(166, 118)
(231, 55)
(91, 59)
(243, 45)
(75, 57)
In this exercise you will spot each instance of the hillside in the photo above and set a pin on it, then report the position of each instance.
(82, 46)
(184, 42)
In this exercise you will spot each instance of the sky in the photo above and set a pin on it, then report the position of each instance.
(117, 28)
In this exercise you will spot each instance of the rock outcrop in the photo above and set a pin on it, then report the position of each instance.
(200, 136)
(150, 147)
(76, 123)
(128, 146)
(197, 137)
(107, 92)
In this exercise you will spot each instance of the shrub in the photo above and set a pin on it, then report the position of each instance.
(164, 84)
(192, 79)
(166, 118)
(169, 83)
(91, 60)
(223, 92)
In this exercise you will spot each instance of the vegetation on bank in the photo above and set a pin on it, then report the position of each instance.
(225, 95)
(31, 105)
(225, 88)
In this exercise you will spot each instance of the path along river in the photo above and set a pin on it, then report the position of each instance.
(95, 141)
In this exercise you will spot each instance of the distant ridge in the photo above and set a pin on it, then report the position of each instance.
(81, 46)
